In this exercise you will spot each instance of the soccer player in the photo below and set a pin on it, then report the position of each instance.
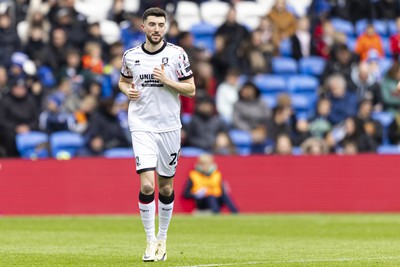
(153, 75)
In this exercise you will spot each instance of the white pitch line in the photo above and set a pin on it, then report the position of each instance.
(290, 261)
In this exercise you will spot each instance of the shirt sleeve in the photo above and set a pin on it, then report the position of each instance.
(184, 70)
(125, 71)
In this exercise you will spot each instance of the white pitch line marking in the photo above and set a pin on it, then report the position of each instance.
(290, 261)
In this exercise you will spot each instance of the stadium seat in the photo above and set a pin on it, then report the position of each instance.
(98, 14)
(131, 6)
(360, 26)
(284, 65)
(242, 141)
(214, 12)
(119, 152)
(385, 64)
(386, 47)
(392, 28)
(270, 84)
(249, 13)
(285, 47)
(305, 84)
(65, 143)
(203, 35)
(388, 149)
(270, 100)
(385, 118)
(381, 27)
(191, 151)
(186, 118)
(302, 104)
(187, 14)
(110, 31)
(351, 43)
(343, 26)
(313, 65)
(32, 145)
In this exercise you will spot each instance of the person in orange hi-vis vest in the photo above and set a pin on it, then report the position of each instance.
(206, 187)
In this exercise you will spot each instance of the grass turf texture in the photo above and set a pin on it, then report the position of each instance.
(241, 240)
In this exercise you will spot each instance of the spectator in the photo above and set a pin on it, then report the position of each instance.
(54, 118)
(365, 84)
(395, 41)
(233, 34)
(82, 115)
(220, 59)
(111, 77)
(301, 40)
(205, 125)
(387, 9)
(91, 59)
(3, 82)
(372, 128)
(227, 95)
(36, 18)
(394, 130)
(325, 38)
(9, 40)
(18, 114)
(117, 12)
(283, 145)
(284, 22)
(94, 36)
(206, 186)
(342, 61)
(353, 132)
(367, 41)
(344, 103)
(390, 96)
(104, 130)
(352, 10)
(279, 123)
(255, 56)
(131, 34)
(314, 146)
(320, 125)
(224, 145)
(250, 113)
(56, 50)
(266, 29)
(36, 45)
(173, 32)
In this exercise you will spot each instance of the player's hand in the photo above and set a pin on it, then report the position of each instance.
(133, 93)
(159, 74)
(200, 193)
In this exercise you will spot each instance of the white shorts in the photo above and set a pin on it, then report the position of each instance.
(157, 151)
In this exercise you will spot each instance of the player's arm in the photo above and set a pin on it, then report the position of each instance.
(185, 87)
(127, 87)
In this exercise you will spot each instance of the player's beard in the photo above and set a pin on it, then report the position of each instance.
(152, 41)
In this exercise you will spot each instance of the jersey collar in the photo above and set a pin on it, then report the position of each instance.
(155, 52)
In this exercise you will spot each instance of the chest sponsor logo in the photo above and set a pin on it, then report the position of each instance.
(148, 80)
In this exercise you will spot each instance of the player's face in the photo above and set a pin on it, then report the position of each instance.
(154, 28)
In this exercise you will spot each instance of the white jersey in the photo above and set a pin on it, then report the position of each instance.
(158, 108)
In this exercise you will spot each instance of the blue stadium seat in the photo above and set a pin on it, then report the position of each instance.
(360, 26)
(284, 65)
(343, 26)
(285, 47)
(119, 152)
(270, 100)
(388, 149)
(385, 118)
(65, 143)
(381, 27)
(392, 28)
(242, 141)
(270, 84)
(32, 145)
(203, 35)
(313, 65)
(306, 84)
(303, 104)
(386, 47)
(191, 151)
(351, 43)
(385, 64)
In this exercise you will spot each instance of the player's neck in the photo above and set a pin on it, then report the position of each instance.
(153, 48)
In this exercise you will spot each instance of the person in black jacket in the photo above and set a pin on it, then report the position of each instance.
(18, 114)
(9, 40)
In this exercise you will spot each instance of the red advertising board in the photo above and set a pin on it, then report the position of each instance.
(365, 183)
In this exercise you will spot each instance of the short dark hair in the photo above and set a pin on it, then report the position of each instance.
(154, 11)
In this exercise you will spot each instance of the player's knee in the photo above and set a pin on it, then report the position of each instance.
(147, 188)
(166, 190)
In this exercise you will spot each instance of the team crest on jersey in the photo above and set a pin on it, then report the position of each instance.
(164, 61)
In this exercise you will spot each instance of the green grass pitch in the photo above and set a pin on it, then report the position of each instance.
(205, 241)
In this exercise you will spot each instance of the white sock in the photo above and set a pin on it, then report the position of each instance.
(164, 217)
(147, 213)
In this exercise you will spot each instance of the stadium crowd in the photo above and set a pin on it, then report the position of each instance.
(59, 71)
